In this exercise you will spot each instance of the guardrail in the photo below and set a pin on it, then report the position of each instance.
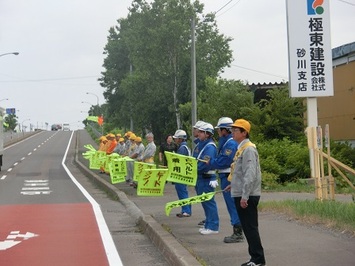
(12, 137)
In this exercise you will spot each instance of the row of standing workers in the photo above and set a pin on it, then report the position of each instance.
(128, 145)
(234, 160)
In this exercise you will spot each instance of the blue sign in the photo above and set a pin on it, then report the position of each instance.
(10, 111)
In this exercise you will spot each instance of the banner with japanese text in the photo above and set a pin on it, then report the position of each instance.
(97, 160)
(152, 182)
(192, 200)
(139, 168)
(118, 170)
(182, 169)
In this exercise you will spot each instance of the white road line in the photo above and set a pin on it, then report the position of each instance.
(35, 188)
(29, 153)
(23, 158)
(15, 163)
(3, 177)
(9, 170)
(110, 248)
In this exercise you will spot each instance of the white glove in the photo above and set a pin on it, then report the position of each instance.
(214, 183)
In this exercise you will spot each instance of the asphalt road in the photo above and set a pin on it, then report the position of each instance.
(51, 214)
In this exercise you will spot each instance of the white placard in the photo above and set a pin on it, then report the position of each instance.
(309, 48)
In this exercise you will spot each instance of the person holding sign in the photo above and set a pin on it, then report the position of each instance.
(180, 137)
(205, 151)
(227, 147)
(246, 189)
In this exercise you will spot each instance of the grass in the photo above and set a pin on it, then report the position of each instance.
(331, 214)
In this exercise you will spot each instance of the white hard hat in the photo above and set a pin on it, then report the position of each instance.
(198, 124)
(180, 134)
(206, 127)
(224, 122)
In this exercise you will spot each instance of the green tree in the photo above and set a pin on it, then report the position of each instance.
(279, 116)
(221, 98)
(11, 121)
(148, 67)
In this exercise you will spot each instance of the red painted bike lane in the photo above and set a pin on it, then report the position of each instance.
(50, 234)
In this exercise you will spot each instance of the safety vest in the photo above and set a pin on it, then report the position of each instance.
(226, 170)
(237, 155)
(210, 172)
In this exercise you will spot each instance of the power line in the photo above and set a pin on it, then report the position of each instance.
(48, 79)
(228, 8)
(223, 6)
(346, 2)
(261, 72)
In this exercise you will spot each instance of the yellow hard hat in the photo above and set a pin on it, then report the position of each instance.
(138, 139)
(132, 137)
(128, 133)
(242, 123)
(121, 139)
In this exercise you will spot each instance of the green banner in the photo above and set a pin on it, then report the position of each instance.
(196, 199)
(182, 169)
(92, 118)
(97, 160)
(139, 168)
(118, 169)
(152, 182)
(89, 147)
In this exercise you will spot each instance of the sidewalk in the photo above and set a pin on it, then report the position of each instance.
(286, 242)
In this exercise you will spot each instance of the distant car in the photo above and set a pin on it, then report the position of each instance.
(56, 127)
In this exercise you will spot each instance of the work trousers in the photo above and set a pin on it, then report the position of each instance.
(183, 193)
(249, 220)
(233, 214)
(210, 206)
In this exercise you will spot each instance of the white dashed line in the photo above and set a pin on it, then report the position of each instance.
(3, 177)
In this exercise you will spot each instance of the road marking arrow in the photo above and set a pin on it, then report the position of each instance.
(10, 242)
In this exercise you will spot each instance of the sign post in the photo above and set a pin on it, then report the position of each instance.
(310, 55)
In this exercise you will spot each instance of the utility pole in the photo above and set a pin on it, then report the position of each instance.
(131, 122)
(193, 76)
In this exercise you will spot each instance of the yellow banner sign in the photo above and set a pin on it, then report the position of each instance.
(152, 182)
(139, 168)
(182, 169)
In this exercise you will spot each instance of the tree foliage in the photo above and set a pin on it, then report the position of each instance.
(148, 65)
(279, 116)
(11, 121)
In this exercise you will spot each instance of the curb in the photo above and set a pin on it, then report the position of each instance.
(171, 249)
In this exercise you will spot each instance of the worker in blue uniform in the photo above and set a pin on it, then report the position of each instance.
(227, 148)
(205, 151)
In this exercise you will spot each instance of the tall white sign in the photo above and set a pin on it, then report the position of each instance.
(309, 49)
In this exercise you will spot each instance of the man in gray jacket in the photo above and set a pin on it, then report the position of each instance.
(246, 189)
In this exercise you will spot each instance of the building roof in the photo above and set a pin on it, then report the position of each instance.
(343, 50)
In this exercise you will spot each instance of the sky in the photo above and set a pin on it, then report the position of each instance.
(54, 79)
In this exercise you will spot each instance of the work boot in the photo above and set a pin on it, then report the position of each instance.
(237, 235)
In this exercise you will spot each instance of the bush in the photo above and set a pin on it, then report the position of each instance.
(269, 181)
(288, 160)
